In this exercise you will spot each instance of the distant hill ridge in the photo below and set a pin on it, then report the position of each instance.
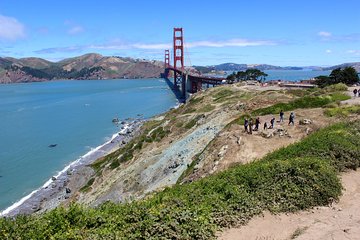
(88, 66)
(96, 66)
(242, 67)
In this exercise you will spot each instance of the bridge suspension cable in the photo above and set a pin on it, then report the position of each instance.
(187, 57)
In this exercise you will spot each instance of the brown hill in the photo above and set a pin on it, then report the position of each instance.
(88, 66)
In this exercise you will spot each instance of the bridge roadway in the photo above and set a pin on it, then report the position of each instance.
(191, 82)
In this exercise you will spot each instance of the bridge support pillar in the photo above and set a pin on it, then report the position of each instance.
(196, 86)
(178, 54)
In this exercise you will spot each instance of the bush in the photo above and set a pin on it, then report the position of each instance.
(338, 144)
(342, 111)
(336, 87)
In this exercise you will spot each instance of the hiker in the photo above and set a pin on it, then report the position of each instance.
(281, 116)
(257, 123)
(355, 92)
(291, 118)
(251, 123)
(272, 121)
(265, 125)
(246, 124)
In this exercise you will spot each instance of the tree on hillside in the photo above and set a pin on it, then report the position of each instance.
(249, 74)
(348, 75)
(231, 78)
(255, 74)
(241, 75)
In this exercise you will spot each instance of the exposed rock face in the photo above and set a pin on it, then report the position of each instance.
(88, 66)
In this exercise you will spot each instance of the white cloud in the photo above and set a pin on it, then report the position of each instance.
(324, 34)
(229, 43)
(355, 52)
(158, 46)
(11, 28)
(75, 30)
(328, 51)
(153, 46)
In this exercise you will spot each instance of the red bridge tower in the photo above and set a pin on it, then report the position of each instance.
(178, 56)
(167, 58)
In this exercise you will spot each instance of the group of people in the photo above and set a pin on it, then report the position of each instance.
(250, 125)
(356, 92)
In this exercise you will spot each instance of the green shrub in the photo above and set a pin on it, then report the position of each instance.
(343, 111)
(336, 87)
(338, 144)
(303, 102)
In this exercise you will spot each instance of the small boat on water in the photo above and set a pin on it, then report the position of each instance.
(52, 145)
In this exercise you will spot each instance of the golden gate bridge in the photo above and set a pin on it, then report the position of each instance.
(185, 81)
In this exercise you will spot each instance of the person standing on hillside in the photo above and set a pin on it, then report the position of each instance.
(291, 119)
(265, 125)
(272, 121)
(251, 123)
(281, 116)
(355, 92)
(246, 125)
(257, 123)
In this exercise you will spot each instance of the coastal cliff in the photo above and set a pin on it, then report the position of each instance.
(88, 66)
(194, 170)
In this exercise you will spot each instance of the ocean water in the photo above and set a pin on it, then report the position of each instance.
(75, 115)
(293, 75)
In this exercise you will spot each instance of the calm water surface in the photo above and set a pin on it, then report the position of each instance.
(75, 115)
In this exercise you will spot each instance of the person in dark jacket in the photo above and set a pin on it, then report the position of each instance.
(272, 122)
(246, 125)
(291, 118)
(257, 123)
(251, 123)
(281, 116)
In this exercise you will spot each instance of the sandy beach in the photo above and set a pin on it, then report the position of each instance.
(67, 182)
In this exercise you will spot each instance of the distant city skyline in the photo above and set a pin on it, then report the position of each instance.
(283, 33)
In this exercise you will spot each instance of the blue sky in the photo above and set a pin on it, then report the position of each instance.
(278, 32)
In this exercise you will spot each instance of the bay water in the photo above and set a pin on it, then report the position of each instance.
(294, 75)
(74, 115)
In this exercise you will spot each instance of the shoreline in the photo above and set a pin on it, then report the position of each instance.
(61, 186)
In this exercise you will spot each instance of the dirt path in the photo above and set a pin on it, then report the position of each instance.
(340, 221)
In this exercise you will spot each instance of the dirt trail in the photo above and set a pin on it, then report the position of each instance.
(339, 221)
